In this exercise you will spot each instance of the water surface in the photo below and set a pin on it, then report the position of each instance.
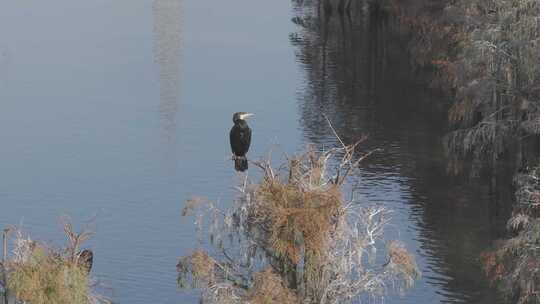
(116, 112)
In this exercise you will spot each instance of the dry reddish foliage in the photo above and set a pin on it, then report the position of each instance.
(200, 266)
(269, 288)
(294, 213)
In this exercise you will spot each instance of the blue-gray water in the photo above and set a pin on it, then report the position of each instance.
(117, 111)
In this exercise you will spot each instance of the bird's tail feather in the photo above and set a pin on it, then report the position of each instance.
(240, 163)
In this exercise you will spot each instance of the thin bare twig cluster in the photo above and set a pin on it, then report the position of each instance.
(294, 231)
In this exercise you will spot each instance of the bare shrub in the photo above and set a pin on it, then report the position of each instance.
(292, 238)
(38, 273)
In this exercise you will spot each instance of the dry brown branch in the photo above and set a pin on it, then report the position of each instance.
(75, 239)
(296, 222)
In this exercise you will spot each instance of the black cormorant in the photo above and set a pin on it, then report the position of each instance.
(240, 137)
(86, 259)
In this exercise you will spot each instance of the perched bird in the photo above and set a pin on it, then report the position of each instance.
(86, 259)
(240, 137)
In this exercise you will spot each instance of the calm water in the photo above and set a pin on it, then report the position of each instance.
(115, 112)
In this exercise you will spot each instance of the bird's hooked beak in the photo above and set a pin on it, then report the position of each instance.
(245, 115)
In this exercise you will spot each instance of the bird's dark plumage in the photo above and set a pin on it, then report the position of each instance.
(240, 137)
(86, 259)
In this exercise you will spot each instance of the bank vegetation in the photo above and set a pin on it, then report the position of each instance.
(486, 54)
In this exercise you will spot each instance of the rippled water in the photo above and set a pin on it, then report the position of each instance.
(115, 112)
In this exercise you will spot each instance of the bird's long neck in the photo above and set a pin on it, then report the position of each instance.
(241, 123)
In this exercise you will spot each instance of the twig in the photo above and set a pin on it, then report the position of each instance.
(334, 130)
(353, 165)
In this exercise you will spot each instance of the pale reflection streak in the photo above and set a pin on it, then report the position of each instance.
(167, 15)
(5, 61)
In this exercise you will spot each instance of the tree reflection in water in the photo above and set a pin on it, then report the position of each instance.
(167, 16)
(358, 72)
